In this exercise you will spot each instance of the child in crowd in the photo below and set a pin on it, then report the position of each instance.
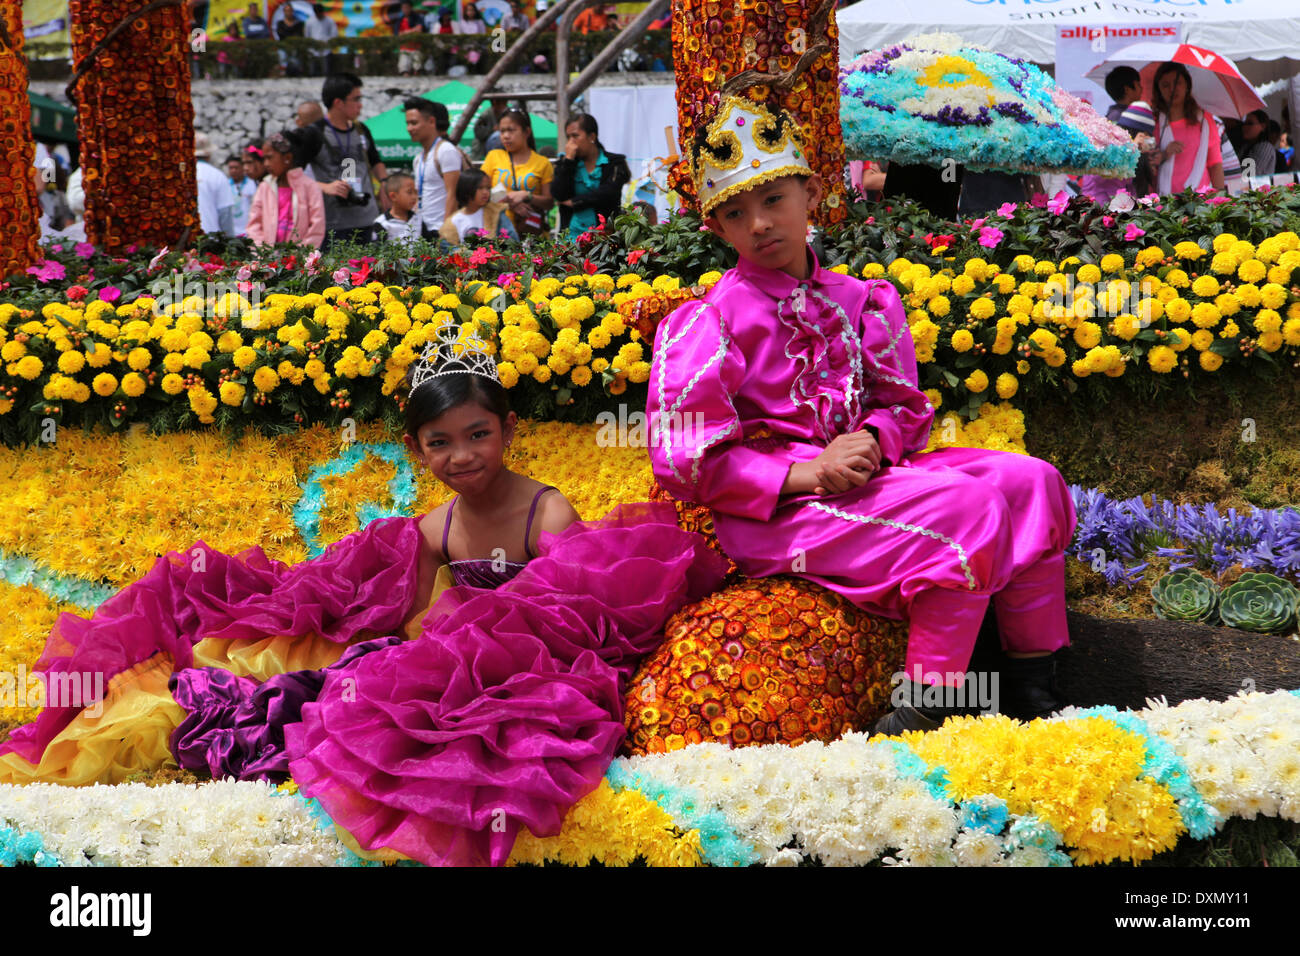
(808, 427)
(400, 223)
(477, 213)
(287, 206)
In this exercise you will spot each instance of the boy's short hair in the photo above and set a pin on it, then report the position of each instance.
(1120, 79)
(394, 181)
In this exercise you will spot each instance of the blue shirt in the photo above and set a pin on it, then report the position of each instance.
(584, 184)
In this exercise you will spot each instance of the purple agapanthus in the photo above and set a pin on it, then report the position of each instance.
(1015, 111)
(1127, 532)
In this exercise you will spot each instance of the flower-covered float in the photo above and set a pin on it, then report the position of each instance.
(933, 99)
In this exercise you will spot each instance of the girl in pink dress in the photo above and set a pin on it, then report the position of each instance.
(787, 401)
(458, 712)
(1189, 155)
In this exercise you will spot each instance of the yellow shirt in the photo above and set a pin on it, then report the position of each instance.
(531, 175)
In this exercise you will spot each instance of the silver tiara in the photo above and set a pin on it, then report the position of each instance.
(453, 355)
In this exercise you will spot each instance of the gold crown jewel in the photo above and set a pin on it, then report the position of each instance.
(744, 145)
(453, 354)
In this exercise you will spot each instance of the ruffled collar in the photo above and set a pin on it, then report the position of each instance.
(780, 285)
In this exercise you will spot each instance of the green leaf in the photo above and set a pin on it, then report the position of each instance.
(952, 380)
(1225, 347)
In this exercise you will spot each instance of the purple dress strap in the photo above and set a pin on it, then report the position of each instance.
(528, 528)
(446, 527)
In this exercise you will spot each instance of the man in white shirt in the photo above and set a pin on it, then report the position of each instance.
(320, 27)
(242, 190)
(437, 168)
(216, 205)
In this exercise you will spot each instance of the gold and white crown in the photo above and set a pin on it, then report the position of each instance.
(453, 354)
(744, 145)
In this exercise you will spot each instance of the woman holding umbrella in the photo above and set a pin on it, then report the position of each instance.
(1188, 154)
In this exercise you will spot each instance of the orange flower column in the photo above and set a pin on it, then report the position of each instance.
(136, 122)
(20, 211)
(716, 41)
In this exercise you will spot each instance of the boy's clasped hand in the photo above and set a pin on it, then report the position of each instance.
(846, 463)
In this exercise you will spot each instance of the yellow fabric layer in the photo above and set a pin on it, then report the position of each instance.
(128, 734)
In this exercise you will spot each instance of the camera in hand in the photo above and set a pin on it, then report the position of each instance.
(354, 198)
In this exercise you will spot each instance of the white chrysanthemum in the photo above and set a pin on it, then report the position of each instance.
(978, 848)
(786, 857)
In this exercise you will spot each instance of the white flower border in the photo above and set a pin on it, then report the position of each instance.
(842, 803)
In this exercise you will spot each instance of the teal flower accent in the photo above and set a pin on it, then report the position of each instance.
(64, 588)
(1162, 765)
(402, 490)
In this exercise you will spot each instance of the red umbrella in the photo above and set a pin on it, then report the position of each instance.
(1217, 84)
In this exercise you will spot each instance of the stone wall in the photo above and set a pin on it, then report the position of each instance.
(233, 112)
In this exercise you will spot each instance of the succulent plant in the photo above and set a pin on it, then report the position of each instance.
(1185, 595)
(1260, 602)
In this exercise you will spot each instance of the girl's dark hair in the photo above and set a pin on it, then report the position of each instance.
(468, 185)
(521, 120)
(1191, 109)
(293, 142)
(437, 396)
(587, 123)
(1261, 117)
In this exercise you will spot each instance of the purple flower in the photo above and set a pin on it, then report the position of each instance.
(110, 294)
(84, 249)
(48, 270)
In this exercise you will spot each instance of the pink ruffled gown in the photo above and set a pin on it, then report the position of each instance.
(765, 372)
(502, 713)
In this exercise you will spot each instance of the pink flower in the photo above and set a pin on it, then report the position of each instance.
(479, 256)
(1056, 205)
(1121, 202)
(1007, 209)
(1217, 200)
(1133, 232)
(110, 294)
(48, 270)
(153, 263)
(1150, 199)
(990, 236)
(1108, 221)
(245, 273)
(1039, 201)
(977, 223)
(244, 287)
(341, 276)
(131, 248)
(311, 261)
(84, 249)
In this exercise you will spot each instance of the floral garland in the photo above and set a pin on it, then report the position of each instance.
(1086, 787)
(933, 100)
(19, 209)
(115, 104)
(715, 42)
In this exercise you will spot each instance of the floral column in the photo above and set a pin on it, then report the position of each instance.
(715, 41)
(20, 211)
(136, 122)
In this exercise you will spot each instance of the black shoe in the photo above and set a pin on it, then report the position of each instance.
(914, 715)
(1029, 687)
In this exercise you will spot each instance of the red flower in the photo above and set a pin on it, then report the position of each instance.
(589, 267)
(77, 292)
(361, 276)
(634, 256)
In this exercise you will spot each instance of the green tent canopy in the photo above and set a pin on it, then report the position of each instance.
(52, 119)
(396, 147)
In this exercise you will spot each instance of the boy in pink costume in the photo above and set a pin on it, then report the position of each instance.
(787, 401)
